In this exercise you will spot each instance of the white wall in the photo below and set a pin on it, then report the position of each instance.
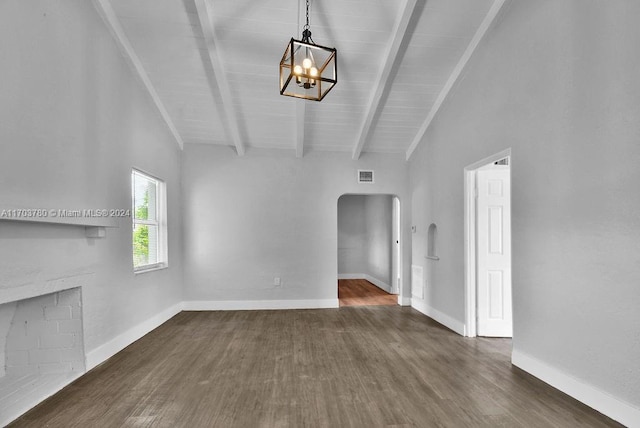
(74, 121)
(268, 214)
(365, 236)
(557, 82)
(352, 234)
(379, 212)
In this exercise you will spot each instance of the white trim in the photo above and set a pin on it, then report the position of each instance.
(391, 62)
(608, 405)
(404, 301)
(97, 356)
(470, 252)
(470, 326)
(160, 220)
(351, 276)
(150, 268)
(118, 343)
(13, 411)
(490, 159)
(442, 318)
(77, 217)
(457, 72)
(13, 294)
(380, 284)
(375, 281)
(248, 305)
(205, 17)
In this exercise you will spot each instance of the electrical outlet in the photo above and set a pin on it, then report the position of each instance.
(276, 281)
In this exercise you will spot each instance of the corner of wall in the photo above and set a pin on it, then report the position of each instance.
(118, 343)
(440, 317)
(599, 400)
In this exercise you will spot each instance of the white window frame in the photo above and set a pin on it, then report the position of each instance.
(160, 222)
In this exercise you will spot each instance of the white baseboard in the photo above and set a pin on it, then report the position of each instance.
(351, 275)
(118, 343)
(22, 404)
(92, 359)
(246, 305)
(375, 281)
(444, 319)
(404, 301)
(604, 403)
(380, 284)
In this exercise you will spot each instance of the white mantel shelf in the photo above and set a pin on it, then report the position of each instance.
(71, 221)
(95, 226)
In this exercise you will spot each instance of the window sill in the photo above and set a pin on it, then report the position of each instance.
(150, 268)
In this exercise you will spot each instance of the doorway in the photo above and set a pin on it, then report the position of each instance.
(488, 247)
(369, 255)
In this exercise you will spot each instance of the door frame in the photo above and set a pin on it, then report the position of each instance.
(396, 268)
(470, 253)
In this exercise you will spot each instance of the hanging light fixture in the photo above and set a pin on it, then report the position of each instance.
(307, 70)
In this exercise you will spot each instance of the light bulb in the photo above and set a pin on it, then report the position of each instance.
(313, 72)
(306, 63)
(297, 70)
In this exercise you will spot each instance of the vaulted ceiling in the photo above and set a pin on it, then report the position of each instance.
(211, 67)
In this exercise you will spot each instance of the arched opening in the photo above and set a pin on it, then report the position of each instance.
(369, 262)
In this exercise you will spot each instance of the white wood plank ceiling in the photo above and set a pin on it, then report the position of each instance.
(211, 67)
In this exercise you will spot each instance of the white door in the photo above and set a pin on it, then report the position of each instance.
(494, 252)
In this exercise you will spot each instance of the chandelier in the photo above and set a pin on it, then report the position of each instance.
(307, 70)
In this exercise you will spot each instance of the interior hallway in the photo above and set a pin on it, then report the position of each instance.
(359, 366)
(360, 292)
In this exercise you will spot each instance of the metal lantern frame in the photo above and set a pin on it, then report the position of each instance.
(312, 82)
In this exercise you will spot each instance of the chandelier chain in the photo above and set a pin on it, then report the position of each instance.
(307, 25)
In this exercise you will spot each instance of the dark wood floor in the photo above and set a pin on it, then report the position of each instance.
(360, 292)
(371, 366)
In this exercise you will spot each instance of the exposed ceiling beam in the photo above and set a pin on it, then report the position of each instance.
(457, 71)
(301, 111)
(391, 61)
(105, 10)
(205, 15)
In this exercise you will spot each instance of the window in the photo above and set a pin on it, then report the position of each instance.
(149, 225)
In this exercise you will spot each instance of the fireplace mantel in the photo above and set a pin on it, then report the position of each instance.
(95, 222)
(28, 291)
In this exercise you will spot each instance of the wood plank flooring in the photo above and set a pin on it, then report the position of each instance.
(373, 366)
(360, 292)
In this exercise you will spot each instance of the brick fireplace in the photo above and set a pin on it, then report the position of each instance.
(41, 348)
